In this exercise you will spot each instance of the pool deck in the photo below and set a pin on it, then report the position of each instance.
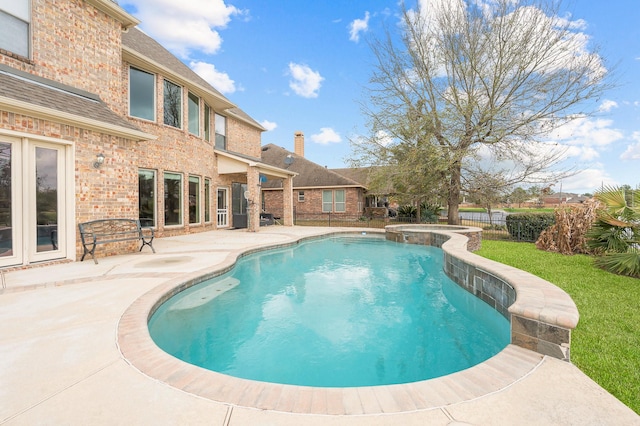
(66, 360)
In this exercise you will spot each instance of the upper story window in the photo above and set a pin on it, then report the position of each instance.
(221, 132)
(194, 114)
(15, 18)
(207, 122)
(142, 98)
(172, 104)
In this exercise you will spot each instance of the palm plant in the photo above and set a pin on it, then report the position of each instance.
(615, 234)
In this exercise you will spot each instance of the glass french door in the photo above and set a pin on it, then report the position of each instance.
(33, 201)
(10, 200)
(47, 202)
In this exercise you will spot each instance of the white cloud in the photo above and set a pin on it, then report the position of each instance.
(607, 105)
(587, 180)
(358, 26)
(304, 81)
(220, 80)
(269, 125)
(326, 136)
(633, 151)
(182, 26)
(586, 137)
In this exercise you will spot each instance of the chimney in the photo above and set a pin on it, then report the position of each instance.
(298, 143)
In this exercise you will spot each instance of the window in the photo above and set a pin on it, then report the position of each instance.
(194, 199)
(333, 201)
(300, 196)
(142, 98)
(172, 104)
(327, 201)
(15, 18)
(207, 123)
(172, 199)
(194, 114)
(147, 197)
(340, 204)
(207, 200)
(221, 132)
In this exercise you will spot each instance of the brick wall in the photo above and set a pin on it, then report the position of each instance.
(312, 204)
(243, 138)
(75, 44)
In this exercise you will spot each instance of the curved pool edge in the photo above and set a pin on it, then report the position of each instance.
(138, 349)
(541, 314)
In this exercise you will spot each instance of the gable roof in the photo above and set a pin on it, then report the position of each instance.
(25, 93)
(310, 174)
(141, 50)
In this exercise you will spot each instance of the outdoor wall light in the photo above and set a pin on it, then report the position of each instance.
(99, 161)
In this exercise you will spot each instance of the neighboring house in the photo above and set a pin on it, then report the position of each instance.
(316, 189)
(97, 120)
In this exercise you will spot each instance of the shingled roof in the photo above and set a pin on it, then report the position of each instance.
(310, 174)
(25, 93)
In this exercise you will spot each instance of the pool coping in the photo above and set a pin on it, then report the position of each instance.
(135, 344)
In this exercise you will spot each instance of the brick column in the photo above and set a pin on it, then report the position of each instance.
(287, 201)
(253, 208)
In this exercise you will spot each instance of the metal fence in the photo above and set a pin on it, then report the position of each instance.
(492, 229)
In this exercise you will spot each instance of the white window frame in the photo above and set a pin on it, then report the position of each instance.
(220, 125)
(207, 200)
(340, 206)
(154, 195)
(180, 200)
(179, 103)
(18, 11)
(198, 199)
(153, 91)
(193, 115)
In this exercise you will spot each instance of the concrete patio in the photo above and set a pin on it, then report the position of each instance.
(63, 364)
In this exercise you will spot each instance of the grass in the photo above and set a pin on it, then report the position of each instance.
(606, 343)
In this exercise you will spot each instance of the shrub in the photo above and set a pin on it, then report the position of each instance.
(407, 211)
(528, 226)
(430, 212)
(569, 234)
(616, 232)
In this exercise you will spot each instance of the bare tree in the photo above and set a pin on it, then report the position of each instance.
(478, 82)
(487, 190)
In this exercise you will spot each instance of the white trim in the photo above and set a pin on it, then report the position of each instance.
(37, 111)
(155, 96)
(17, 256)
(23, 135)
(112, 9)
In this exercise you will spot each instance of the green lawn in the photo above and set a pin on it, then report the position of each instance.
(606, 343)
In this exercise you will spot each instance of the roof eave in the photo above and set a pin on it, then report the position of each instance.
(112, 9)
(21, 107)
(255, 163)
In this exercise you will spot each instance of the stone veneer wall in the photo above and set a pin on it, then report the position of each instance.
(541, 314)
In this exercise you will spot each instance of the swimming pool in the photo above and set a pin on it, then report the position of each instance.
(332, 312)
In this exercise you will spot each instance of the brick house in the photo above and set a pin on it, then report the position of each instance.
(316, 189)
(97, 120)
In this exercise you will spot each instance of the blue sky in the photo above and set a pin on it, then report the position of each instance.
(302, 65)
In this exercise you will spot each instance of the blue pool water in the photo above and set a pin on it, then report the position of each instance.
(334, 312)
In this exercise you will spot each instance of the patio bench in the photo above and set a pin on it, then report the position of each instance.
(104, 231)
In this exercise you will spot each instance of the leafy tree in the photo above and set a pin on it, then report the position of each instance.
(518, 196)
(473, 83)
